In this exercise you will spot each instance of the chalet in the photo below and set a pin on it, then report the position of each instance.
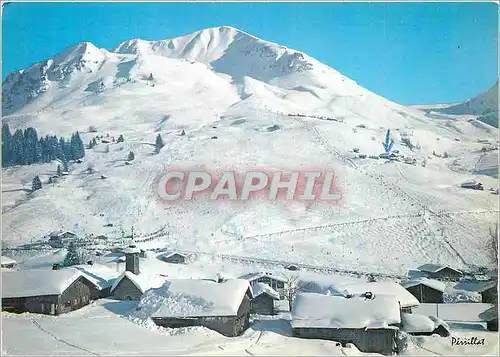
(487, 289)
(370, 322)
(7, 262)
(225, 306)
(440, 272)
(50, 292)
(100, 276)
(175, 258)
(405, 299)
(59, 239)
(263, 299)
(425, 290)
(131, 284)
(277, 283)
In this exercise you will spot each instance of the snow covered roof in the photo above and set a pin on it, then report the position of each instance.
(142, 281)
(261, 288)
(35, 282)
(100, 275)
(166, 256)
(434, 268)
(196, 298)
(258, 275)
(405, 298)
(6, 260)
(59, 233)
(311, 310)
(475, 286)
(130, 250)
(431, 283)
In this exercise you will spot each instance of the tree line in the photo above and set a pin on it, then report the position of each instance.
(26, 147)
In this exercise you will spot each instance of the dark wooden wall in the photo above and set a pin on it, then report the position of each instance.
(381, 341)
(126, 290)
(426, 294)
(230, 326)
(263, 305)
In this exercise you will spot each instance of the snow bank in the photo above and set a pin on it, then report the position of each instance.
(417, 323)
(312, 310)
(6, 260)
(194, 298)
(26, 283)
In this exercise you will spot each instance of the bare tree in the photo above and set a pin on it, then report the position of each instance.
(492, 244)
(90, 169)
(291, 288)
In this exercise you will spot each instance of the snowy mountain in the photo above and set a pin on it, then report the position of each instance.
(244, 102)
(483, 106)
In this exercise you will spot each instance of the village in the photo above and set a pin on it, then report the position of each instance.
(373, 313)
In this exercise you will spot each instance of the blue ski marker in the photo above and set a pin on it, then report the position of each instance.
(388, 141)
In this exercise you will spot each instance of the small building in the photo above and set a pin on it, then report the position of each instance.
(405, 299)
(426, 290)
(277, 283)
(440, 272)
(7, 262)
(58, 239)
(487, 289)
(131, 284)
(370, 323)
(174, 258)
(223, 307)
(100, 276)
(50, 292)
(263, 299)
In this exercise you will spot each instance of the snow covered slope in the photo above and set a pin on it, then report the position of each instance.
(483, 106)
(243, 103)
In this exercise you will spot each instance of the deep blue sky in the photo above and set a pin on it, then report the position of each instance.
(412, 53)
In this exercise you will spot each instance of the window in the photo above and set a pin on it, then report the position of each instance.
(281, 284)
(67, 303)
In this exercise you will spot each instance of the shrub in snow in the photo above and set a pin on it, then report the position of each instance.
(159, 143)
(130, 156)
(36, 184)
(120, 139)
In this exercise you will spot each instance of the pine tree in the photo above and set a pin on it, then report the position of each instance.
(94, 142)
(77, 147)
(91, 144)
(72, 257)
(159, 143)
(59, 172)
(36, 184)
(106, 150)
(6, 146)
(17, 148)
(151, 76)
(131, 156)
(120, 139)
(65, 164)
